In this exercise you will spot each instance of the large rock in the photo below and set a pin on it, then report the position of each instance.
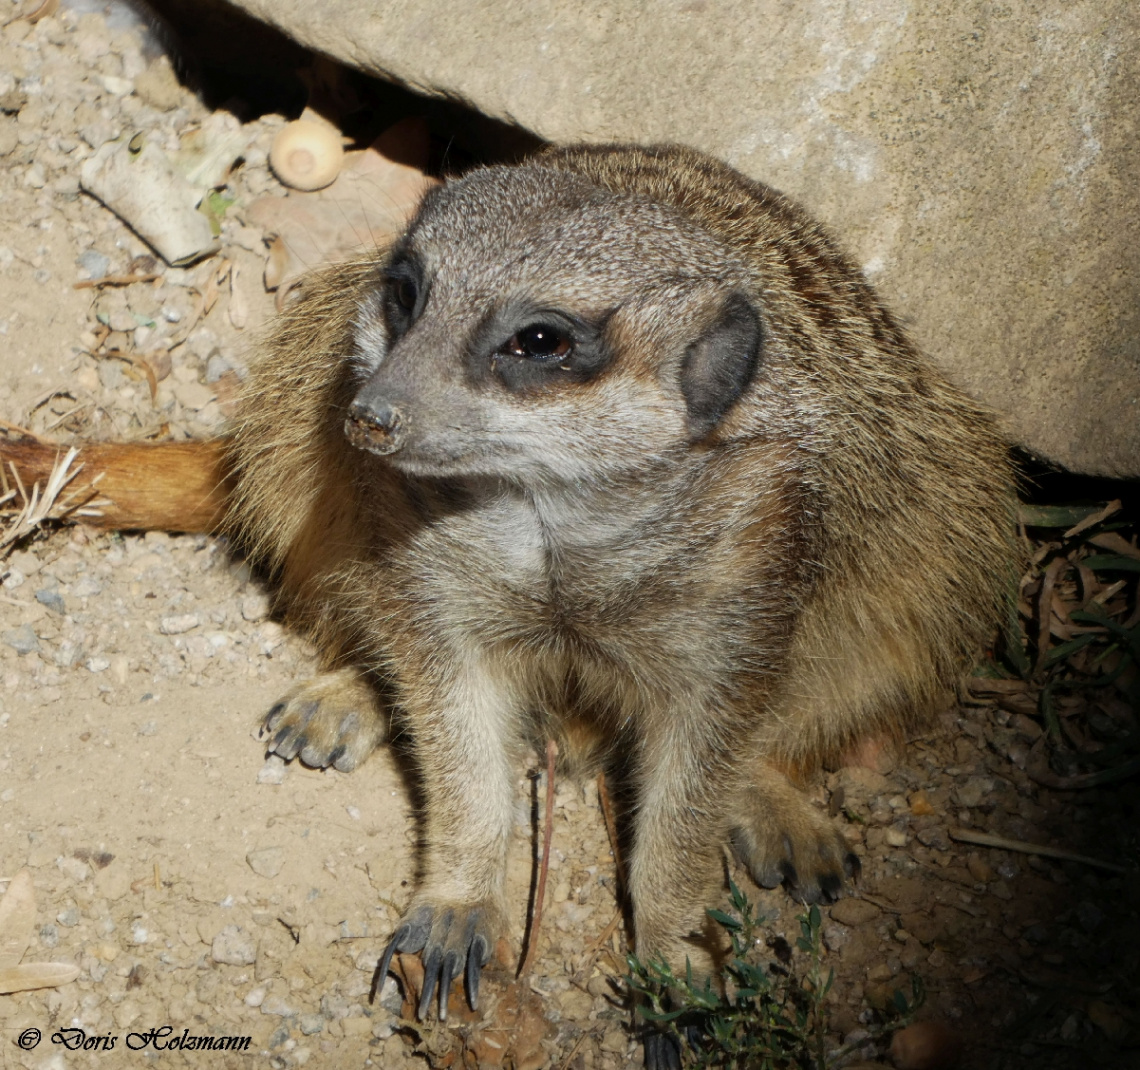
(979, 158)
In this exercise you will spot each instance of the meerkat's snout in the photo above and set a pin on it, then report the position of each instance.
(375, 425)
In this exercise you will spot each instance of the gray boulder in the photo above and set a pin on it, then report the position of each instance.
(979, 159)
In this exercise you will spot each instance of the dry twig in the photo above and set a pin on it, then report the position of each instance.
(114, 280)
(544, 865)
(984, 839)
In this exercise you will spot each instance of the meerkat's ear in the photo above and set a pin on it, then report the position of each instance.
(719, 365)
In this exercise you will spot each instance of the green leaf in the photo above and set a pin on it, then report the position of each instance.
(1113, 562)
(659, 1016)
(726, 920)
(1054, 516)
(1065, 650)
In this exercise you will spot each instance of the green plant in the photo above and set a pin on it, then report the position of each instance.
(769, 1016)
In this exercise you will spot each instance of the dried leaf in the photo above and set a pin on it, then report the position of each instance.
(37, 975)
(238, 310)
(1113, 540)
(1094, 519)
(17, 919)
(277, 264)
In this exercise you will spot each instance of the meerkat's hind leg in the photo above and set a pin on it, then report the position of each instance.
(334, 719)
(780, 837)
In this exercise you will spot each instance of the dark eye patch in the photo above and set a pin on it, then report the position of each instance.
(526, 348)
(404, 293)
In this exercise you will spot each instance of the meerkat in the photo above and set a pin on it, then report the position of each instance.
(612, 438)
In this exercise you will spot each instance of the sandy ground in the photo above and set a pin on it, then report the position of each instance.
(200, 886)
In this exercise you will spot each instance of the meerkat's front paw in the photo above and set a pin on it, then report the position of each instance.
(781, 838)
(335, 719)
(453, 940)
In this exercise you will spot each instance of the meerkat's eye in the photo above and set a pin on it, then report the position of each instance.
(539, 341)
(404, 291)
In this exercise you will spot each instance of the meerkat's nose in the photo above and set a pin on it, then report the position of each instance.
(374, 425)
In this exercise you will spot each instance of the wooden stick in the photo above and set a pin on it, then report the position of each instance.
(984, 839)
(611, 831)
(114, 280)
(544, 864)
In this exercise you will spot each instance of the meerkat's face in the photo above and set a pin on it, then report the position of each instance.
(532, 326)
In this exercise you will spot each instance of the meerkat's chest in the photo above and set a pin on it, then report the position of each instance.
(508, 570)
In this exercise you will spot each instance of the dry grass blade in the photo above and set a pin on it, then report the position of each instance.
(1094, 519)
(984, 839)
(37, 507)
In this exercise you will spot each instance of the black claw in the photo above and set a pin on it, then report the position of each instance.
(272, 717)
(831, 887)
(852, 866)
(788, 872)
(410, 936)
(431, 975)
(289, 752)
(476, 960)
(446, 974)
(390, 950)
(662, 1052)
(335, 756)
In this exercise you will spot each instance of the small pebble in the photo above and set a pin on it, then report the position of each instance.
(854, 912)
(52, 599)
(926, 1046)
(273, 1004)
(920, 804)
(68, 918)
(94, 263)
(178, 625)
(233, 946)
(266, 861)
(979, 869)
(970, 793)
(272, 772)
(255, 607)
(22, 639)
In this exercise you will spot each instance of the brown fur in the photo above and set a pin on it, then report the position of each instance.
(726, 569)
(181, 486)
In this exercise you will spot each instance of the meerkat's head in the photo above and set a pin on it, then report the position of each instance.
(533, 326)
